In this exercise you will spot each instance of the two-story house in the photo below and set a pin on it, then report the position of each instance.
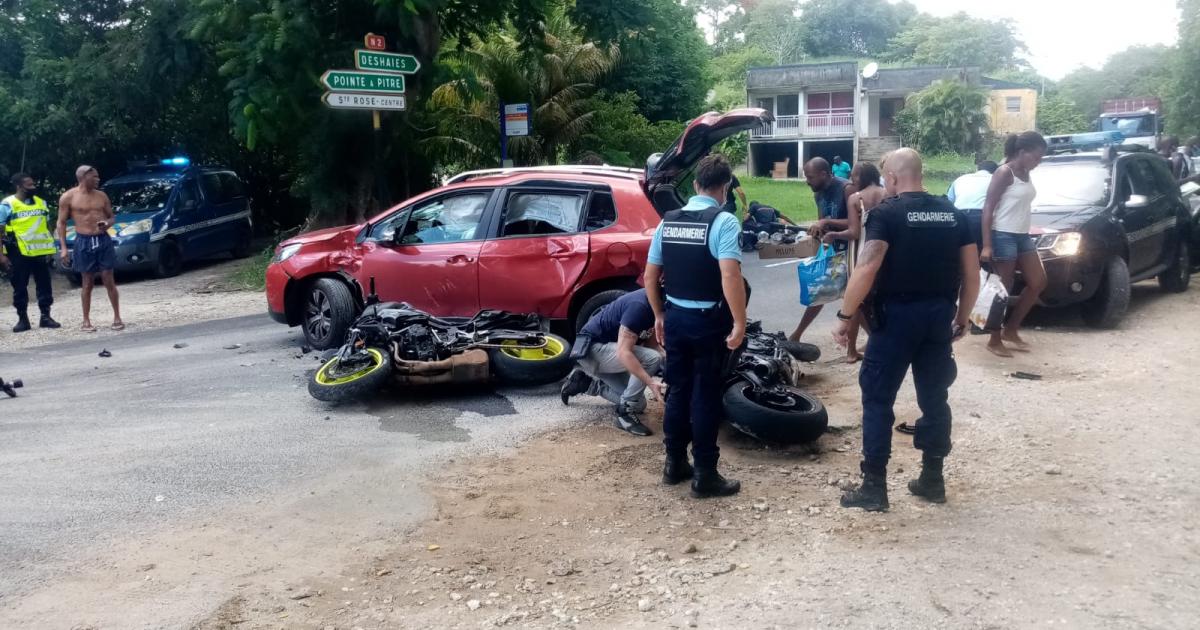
(831, 109)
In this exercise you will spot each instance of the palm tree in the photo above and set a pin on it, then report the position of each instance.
(949, 117)
(556, 80)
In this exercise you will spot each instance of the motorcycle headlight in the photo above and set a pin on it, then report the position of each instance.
(137, 227)
(1061, 244)
(284, 253)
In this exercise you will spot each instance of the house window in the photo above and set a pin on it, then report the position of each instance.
(831, 103)
(1012, 104)
(788, 105)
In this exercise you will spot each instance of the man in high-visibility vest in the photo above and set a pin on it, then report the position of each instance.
(25, 220)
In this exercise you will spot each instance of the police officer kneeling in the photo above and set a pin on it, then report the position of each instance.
(695, 254)
(920, 257)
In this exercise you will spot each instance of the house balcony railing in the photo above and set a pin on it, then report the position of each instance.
(807, 126)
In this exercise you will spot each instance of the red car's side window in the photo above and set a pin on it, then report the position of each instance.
(542, 213)
(601, 213)
(445, 220)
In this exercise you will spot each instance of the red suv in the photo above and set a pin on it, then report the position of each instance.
(559, 241)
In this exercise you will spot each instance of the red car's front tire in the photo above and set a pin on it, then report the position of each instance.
(327, 311)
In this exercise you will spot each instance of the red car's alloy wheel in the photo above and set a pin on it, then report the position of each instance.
(318, 316)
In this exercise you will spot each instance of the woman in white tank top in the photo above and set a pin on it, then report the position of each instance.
(1007, 245)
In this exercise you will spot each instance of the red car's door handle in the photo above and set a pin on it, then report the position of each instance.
(460, 260)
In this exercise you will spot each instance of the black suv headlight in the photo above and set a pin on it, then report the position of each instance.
(1060, 244)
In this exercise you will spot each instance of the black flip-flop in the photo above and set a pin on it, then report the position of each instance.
(905, 429)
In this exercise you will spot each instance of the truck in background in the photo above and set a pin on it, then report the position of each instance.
(1138, 120)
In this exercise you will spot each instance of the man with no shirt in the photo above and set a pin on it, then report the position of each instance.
(93, 251)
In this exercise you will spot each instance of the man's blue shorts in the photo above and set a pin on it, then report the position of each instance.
(1010, 245)
(93, 253)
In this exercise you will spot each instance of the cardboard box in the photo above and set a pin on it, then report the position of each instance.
(800, 249)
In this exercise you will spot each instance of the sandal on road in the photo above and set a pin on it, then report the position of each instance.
(906, 428)
(118, 326)
(88, 328)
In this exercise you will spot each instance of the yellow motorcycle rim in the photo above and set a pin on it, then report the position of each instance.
(551, 350)
(324, 377)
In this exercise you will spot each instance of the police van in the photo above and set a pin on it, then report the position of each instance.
(169, 213)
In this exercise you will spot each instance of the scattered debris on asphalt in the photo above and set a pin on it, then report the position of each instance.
(11, 387)
(233, 346)
(1027, 376)
(104, 354)
(180, 346)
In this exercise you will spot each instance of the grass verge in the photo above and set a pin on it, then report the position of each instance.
(251, 275)
(794, 198)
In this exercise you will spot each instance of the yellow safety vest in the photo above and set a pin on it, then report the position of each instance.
(28, 224)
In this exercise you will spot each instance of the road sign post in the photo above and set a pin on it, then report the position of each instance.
(377, 84)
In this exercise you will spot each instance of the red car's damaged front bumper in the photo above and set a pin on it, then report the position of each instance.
(277, 280)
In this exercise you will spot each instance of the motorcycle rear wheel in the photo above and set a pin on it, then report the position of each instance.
(517, 364)
(335, 382)
(783, 415)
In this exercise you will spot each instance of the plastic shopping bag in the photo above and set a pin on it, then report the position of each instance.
(823, 277)
(988, 313)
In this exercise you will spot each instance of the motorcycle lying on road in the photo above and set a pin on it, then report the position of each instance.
(394, 341)
(761, 398)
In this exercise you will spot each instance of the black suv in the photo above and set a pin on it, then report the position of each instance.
(1104, 220)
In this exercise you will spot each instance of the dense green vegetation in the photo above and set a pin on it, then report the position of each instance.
(108, 82)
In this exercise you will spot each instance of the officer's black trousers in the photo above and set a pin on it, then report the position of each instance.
(24, 267)
(696, 355)
(913, 333)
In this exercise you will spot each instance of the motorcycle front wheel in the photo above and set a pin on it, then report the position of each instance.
(519, 364)
(339, 381)
(781, 415)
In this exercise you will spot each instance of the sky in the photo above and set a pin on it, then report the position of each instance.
(1063, 35)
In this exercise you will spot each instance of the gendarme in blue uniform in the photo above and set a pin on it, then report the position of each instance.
(689, 245)
(916, 294)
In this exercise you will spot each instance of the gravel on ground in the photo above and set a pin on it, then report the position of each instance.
(1071, 504)
(201, 293)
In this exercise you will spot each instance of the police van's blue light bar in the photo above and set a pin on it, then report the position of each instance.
(1085, 141)
(176, 161)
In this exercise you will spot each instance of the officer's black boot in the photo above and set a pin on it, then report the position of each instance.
(47, 321)
(707, 483)
(870, 496)
(22, 322)
(677, 469)
(930, 485)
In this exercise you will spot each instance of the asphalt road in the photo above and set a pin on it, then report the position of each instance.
(97, 451)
